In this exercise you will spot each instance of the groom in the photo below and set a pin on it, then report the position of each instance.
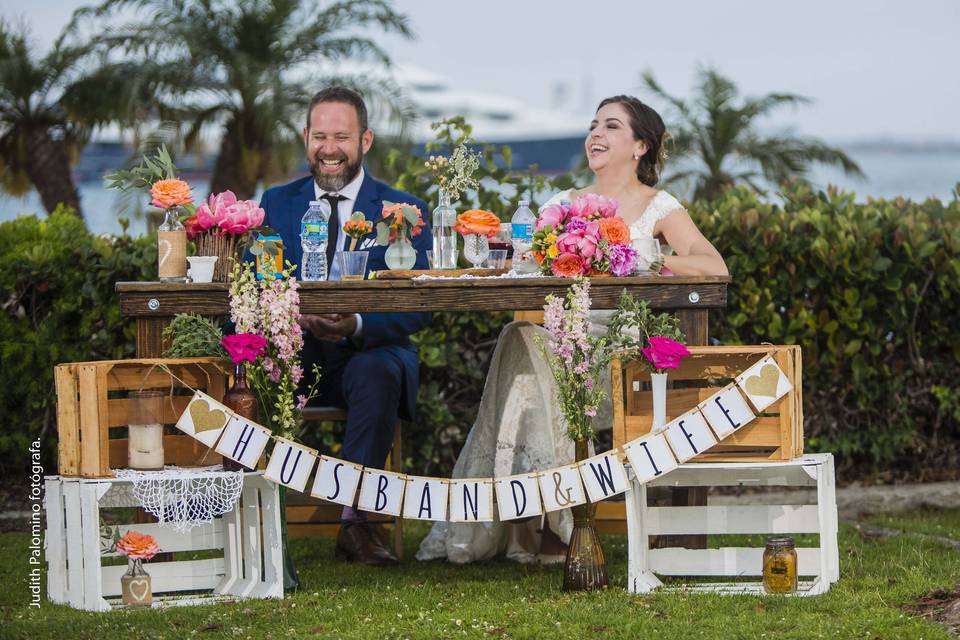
(368, 365)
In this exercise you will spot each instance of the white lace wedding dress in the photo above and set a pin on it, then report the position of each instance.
(518, 430)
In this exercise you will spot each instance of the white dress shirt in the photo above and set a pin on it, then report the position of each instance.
(349, 194)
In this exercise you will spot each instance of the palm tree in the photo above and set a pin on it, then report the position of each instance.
(718, 128)
(250, 69)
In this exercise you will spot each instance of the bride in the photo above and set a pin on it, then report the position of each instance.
(518, 427)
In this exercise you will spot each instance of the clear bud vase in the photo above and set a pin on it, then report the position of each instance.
(444, 237)
(136, 589)
(585, 568)
(658, 388)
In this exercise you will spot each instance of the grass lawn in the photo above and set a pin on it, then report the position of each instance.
(505, 600)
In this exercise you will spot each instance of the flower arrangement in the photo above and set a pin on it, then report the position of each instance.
(266, 316)
(576, 358)
(398, 221)
(357, 227)
(137, 546)
(636, 331)
(158, 175)
(485, 223)
(218, 226)
(584, 238)
(454, 175)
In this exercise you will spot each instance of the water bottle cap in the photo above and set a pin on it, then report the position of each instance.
(314, 203)
(524, 203)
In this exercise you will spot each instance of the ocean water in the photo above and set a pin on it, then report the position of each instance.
(914, 175)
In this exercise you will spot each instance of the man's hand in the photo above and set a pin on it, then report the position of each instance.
(330, 326)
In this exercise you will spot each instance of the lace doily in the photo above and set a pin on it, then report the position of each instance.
(185, 498)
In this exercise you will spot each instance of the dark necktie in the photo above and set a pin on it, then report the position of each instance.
(333, 228)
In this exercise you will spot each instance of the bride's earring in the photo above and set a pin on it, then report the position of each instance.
(636, 156)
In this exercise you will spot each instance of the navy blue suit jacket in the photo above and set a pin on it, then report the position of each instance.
(285, 206)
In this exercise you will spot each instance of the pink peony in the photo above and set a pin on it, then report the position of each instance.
(240, 217)
(582, 241)
(664, 353)
(553, 215)
(244, 347)
(591, 205)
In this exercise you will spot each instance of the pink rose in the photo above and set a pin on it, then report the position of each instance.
(582, 241)
(664, 353)
(591, 205)
(244, 347)
(553, 215)
(240, 216)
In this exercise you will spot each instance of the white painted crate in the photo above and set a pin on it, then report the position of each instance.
(249, 537)
(819, 567)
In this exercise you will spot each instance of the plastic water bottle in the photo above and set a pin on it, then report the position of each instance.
(521, 234)
(444, 237)
(313, 242)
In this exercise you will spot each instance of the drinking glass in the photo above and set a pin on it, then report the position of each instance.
(497, 259)
(353, 264)
(648, 255)
(476, 247)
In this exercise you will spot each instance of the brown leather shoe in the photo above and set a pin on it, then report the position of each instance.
(357, 542)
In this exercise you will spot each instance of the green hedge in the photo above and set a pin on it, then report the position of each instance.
(871, 292)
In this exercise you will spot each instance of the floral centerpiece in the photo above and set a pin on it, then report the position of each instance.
(399, 224)
(577, 361)
(477, 227)
(583, 239)
(653, 339)
(268, 338)
(135, 584)
(219, 228)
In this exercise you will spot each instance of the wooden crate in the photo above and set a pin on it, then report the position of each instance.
(776, 434)
(242, 549)
(92, 409)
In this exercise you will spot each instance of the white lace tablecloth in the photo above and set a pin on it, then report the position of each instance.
(510, 275)
(185, 498)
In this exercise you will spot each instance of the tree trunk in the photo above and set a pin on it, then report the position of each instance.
(243, 156)
(48, 166)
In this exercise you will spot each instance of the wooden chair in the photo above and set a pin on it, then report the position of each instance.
(308, 516)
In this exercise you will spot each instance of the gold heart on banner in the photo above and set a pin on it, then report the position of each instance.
(205, 418)
(139, 584)
(764, 384)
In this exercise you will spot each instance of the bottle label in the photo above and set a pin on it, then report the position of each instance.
(520, 231)
(313, 229)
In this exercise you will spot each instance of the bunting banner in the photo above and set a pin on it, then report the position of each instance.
(600, 477)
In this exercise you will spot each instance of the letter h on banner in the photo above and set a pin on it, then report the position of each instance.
(243, 441)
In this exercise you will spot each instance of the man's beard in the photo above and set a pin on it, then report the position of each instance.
(334, 182)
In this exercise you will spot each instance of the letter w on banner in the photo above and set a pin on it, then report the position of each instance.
(290, 464)
(381, 492)
(603, 476)
(518, 497)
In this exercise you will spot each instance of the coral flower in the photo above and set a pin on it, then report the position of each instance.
(614, 230)
(170, 193)
(137, 546)
(568, 265)
(478, 221)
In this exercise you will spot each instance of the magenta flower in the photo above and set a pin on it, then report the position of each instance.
(582, 241)
(664, 353)
(240, 216)
(553, 215)
(244, 347)
(623, 258)
(593, 206)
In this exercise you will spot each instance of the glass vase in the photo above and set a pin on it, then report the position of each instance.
(658, 389)
(444, 237)
(136, 589)
(401, 254)
(145, 430)
(585, 568)
(242, 400)
(476, 248)
(172, 247)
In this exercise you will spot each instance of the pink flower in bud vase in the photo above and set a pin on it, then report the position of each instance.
(240, 216)
(664, 353)
(244, 347)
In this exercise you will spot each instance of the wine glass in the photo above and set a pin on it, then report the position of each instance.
(648, 255)
(476, 248)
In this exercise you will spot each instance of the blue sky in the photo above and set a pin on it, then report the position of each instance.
(875, 69)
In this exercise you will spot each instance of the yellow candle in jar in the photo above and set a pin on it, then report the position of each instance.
(780, 566)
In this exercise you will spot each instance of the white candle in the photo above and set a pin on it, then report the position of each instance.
(145, 446)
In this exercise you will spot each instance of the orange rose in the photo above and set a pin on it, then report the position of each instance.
(478, 221)
(170, 193)
(567, 265)
(614, 230)
(139, 546)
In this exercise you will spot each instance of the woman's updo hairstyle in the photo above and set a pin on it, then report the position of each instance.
(647, 126)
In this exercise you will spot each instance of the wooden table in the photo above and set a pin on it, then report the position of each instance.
(154, 304)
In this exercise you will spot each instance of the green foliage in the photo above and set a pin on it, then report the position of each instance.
(59, 305)
(192, 336)
(635, 317)
(872, 294)
(142, 176)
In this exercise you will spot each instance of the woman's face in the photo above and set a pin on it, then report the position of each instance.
(610, 142)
